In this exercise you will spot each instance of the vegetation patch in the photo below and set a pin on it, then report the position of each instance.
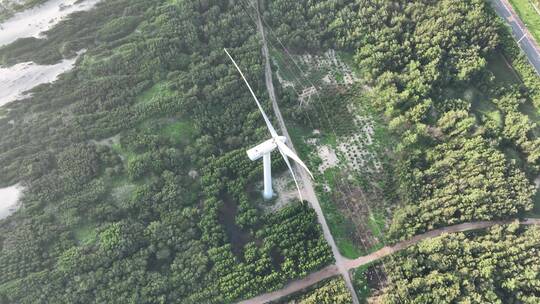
(158, 90)
(180, 132)
(236, 235)
(330, 291)
(85, 233)
(369, 281)
(502, 70)
(152, 72)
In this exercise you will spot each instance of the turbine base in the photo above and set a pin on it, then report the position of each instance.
(268, 196)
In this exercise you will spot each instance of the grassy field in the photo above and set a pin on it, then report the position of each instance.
(528, 15)
(360, 282)
(340, 227)
(376, 224)
(160, 89)
(502, 70)
(178, 132)
(84, 233)
(485, 109)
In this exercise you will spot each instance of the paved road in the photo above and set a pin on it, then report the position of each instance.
(332, 270)
(308, 190)
(519, 31)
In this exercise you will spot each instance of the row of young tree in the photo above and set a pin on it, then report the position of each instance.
(331, 291)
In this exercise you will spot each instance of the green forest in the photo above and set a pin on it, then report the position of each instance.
(498, 266)
(137, 187)
(134, 166)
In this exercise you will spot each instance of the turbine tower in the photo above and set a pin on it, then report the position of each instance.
(265, 149)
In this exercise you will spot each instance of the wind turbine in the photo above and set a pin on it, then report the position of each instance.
(265, 149)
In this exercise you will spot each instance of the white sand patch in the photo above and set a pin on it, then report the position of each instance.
(32, 22)
(286, 192)
(312, 141)
(328, 79)
(328, 157)
(284, 83)
(8, 200)
(193, 174)
(16, 80)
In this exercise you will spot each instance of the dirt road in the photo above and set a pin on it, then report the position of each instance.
(308, 190)
(332, 270)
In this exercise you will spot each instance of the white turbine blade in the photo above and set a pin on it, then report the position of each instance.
(288, 152)
(292, 172)
(268, 124)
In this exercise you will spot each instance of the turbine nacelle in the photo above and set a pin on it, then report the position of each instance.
(266, 147)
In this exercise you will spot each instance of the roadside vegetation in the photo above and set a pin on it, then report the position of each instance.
(330, 291)
(529, 13)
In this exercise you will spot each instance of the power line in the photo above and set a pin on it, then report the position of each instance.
(311, 122)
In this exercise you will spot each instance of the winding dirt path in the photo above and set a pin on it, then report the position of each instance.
(332, 270)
